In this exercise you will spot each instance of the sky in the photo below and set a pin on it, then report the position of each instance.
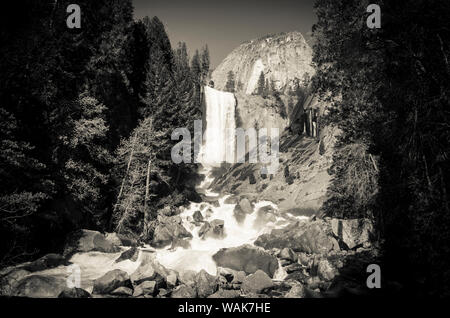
(226, 24)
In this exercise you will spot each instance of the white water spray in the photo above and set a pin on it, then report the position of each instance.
(219, 139)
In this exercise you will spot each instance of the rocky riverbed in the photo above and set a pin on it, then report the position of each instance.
(318, 258)
(249, 237)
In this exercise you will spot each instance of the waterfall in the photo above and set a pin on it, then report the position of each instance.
(219, 140)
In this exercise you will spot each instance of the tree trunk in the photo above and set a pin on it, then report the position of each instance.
(147, 183)
(147, 194)
(126, 173)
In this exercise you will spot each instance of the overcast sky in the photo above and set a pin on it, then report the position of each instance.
(224, 25)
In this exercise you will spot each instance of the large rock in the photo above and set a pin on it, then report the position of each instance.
(87, 241)
(167, 230)
(214, 229)
(46, 262)
(325, 270)
(184, 291)
(131, 254)
(256, 283)
(120, 239)
(122, 292)
(38, 286)
(238, 214)
(111, 281)
(145, 288)
(187, 277)
(239, 277)
(225, 293)
(312, 237)
(145, 271)
(74, 293)
(205, 284)
(150, 269)
(183, 243)
(10, 280)
(246, 258)
(226, 273)
(246, 206)
(197, 216)
(288, 254)
(353, 232)
(297, 291)
(264, 215)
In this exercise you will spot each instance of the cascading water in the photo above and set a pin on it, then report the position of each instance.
(217, 147)
(219, 140)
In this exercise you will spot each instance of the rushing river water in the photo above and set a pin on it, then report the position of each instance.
(220, 108)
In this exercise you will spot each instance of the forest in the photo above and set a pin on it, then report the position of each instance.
(388, 91)
(86, 118)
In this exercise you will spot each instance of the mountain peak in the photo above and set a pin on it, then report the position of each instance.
(283, 58)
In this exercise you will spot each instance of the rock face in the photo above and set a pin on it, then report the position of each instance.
(246, 258)
(86, 241)
(308, 160)
(309, 237)
(169, 229)
(111, 281)
(282, 58)
(353, 232)
(256, 283)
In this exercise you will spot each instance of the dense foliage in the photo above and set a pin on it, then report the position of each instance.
(389, 93)
(74, 103)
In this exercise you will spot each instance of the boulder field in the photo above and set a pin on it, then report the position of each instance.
(316, 258)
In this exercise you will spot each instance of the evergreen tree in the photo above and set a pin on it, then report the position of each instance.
(230, 85)
(81, 156)
(196, 67)
(240, 86)
(22, 192)
(205, 61)
(260, 90)
(389, 95)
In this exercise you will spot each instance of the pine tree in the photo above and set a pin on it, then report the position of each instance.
(138, 170)
(22, 191)
(230, 85)
(196, 67)
(240, 86)
(205, 61)
(260, 90)
(82, 157)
